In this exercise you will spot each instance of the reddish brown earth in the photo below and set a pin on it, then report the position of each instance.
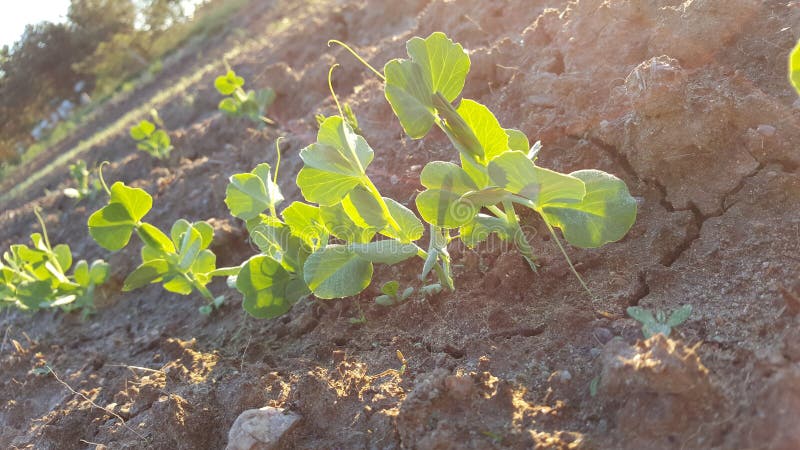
(686, 101)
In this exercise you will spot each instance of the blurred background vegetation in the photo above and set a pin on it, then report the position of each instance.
(59, 71)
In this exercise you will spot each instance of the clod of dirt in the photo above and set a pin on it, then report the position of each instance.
(659, 389)
(260, 429)
(774, 421)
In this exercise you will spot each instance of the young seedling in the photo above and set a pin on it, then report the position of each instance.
(391, 294)
(298, 257)
(181, 261)
(33, 278)
(498, 169)
(240, 103)
(660, 323)
(86, 185)
(150, 138)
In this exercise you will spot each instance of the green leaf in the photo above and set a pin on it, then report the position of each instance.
(481, 228)
(679, 315)
(227, 84)
(142, 130)
(605, 214)
(99, 271)
(156, 243)
(794, 67)
(63, 256)
(335, 164)
(229, 106)
(336, 271)
(515, 172)
(306, 223)
(250, 194)
(190, 247)
(112, 225)
(409, 94)
(268, 289)
(446, 176)
(436, 65)
(385, 300)
(161, 140)
(444, 63)
(204, 263)
(364, 209)
(642, 315)
(484, 125)
(145, 274)
(340, 225)
(338, 150)
(324, 188)
(517, 140)
(410, 227)
(178, 284)
(81, 273)
(486, 197)
(387, 251)
(391, 288)
(445, 208)
(441, 203)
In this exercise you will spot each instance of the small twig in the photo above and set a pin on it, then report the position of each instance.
(146, 369)
(241, 365)
(5, 336)
(112, 413)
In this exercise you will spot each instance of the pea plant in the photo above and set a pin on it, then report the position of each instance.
(391, 294)
(181, 262)
(151, 139)
(34, 278)
(497, 171)
(86, 186)
(251, 104)
(326, 246)
(659, 322)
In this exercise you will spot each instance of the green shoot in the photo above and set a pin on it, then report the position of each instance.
(659, 323)
(86, 186)
(181, 261)
(391, 294)
(151, 139)
(33, 278)
(251, 104)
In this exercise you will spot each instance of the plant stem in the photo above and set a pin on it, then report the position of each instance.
(441, 273)
(519, 236)
(569, 261)
(358, 57)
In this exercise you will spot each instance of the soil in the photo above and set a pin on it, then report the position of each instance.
(688, 102)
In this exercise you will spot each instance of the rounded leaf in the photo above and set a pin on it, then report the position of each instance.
(336, 271)
(268, 289)
(605, 214)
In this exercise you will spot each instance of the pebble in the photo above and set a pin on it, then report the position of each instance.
(766, 130)
(260, 429)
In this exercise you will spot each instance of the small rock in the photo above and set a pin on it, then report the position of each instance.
(603, 335)
(260, 429)
(766, 130)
